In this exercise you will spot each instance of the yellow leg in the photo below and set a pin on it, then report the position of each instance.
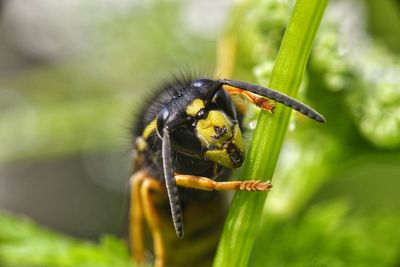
(257, 100)
(152, 219)
(205, 183)
(136, 218)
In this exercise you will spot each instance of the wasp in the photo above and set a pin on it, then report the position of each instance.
(189, 135)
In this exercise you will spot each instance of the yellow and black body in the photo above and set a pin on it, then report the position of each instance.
(189, 136)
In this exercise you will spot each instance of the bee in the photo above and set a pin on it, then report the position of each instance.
(189, 136)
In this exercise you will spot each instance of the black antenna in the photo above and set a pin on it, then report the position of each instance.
(277, 96)
(170, 183)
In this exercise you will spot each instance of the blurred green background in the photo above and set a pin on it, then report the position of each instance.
(74, 73)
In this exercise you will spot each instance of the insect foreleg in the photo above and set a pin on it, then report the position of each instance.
(204, 183)
(257, 100)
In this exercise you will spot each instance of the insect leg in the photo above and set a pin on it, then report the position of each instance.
(208, 184)
(148, 186)
(257, 100)
(136, 218)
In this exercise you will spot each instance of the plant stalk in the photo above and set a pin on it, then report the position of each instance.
(242, 222)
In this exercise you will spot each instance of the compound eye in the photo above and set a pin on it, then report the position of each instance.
(184, 140)
(224, 102)
(162, 118)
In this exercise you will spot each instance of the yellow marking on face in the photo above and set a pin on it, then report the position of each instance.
(195, 107)
(219, 156)
(151, 127)
(207, 129)
(229, 153)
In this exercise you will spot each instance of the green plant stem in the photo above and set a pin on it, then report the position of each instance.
(242, 221)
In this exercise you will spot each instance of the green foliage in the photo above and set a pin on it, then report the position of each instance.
(367, 75)
(23, 243)
(327, 234)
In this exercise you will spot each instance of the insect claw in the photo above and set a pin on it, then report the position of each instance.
(263, 186)
(255, 185)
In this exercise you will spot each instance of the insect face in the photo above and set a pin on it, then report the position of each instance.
(207, 127)
(216, 126)
(221, 139)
